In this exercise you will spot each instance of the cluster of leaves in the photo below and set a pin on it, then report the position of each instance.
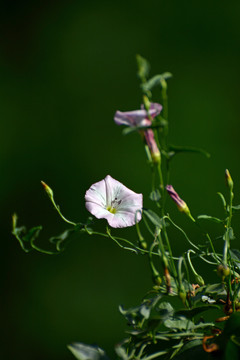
(158, 330)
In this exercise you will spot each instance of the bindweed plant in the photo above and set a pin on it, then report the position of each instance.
(172, 320)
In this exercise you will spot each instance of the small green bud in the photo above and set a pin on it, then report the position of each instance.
(237, 305)
(47, 189)
(223, 271)
(143, 244)
(182, 295)
(14, 220)
(228, 179)
(157, 280)
(199, 280)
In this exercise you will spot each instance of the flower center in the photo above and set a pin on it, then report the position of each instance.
(111, 209)
(114, 204)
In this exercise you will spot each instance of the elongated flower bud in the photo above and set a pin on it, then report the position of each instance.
(152, 145)
(182, 206)
(228, 179)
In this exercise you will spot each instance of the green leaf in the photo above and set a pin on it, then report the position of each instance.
(210, 218)
(156, 81)
(236, 207)
(165, 310)
(180, 323)
(136, 314)
(193, 349)
(232, 326)
(191, 344)
(143, 67)
(190, 313)
(155, 195)
(235, 254)
(203, 325)
(216, 289)
(153, 217)
(25, 237)
(61, 239)
(229, 234)
(129, 130)
(158, 122)
(178, 149)
(121, 352)
(223, 199)
(87, 352)
(231, 351)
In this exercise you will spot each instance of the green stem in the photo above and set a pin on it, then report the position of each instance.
(174, 271)
(35, 247)
(59, 212)
(209, 240)
(165, 99)
(159, 169)
(147, 226)
(155, 273)
(182, 231)
(190, 262)
(227, 239)
(180, 261)
(116, 239)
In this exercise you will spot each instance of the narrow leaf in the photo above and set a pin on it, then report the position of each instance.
(235, 254)
(87, 352)
(236, 207)
(143, 67)
(178, 149)
(223, 199)
(210, 218)
(216, 289)
(61, 239)
(155, 195)
(129, 130)
(25, 237)
(190, 313)
(153, 217)
(156, 81)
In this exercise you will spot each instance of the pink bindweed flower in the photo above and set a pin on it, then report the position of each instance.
(182, 206)
(111, 200)
(137, 117)
(141, 118)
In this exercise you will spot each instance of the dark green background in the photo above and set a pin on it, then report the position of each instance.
(66, 67)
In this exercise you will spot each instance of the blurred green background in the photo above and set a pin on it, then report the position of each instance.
(66, 67)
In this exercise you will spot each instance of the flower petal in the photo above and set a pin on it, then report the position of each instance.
(97, 193)
(97, 210)
(132, 118)
(155, 109)
(137, 117)
(123, 219)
